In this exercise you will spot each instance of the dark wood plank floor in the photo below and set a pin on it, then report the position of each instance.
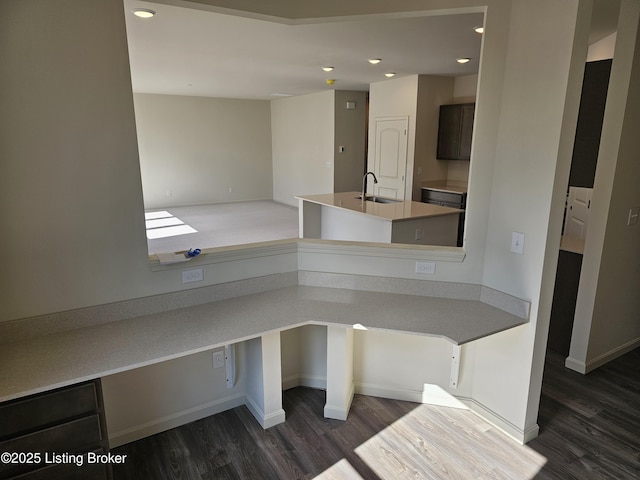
(590, 424)
(590, 429)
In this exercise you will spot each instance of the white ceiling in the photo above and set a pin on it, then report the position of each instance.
(193, 52)
(184, 51)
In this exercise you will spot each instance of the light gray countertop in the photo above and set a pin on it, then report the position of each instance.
(41, 363)
(396, 211)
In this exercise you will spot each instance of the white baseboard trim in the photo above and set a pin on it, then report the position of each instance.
(275, 418)
(335, 412)
(265, 421)
(531, 433)
(174, 420)
(300, 380)
(575, 365)
(255, 410)
(388, 392)
(177, 419)
(340, 412)
(518, 434)
(600, 360)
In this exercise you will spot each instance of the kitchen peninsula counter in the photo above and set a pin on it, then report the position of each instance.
(343, 216)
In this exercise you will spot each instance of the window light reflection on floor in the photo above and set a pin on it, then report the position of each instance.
(154, 215)
(449, 442)
(163, 224)
(440, 438)
(342, 469)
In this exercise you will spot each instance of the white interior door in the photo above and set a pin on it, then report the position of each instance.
(578, 210)
(390, 160)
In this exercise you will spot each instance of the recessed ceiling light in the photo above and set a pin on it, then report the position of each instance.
(479, 29)
(463, 60)
(375, 61)
(143, 12)
(389, 74)
(328, 68)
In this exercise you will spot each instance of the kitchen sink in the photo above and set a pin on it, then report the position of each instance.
(373, 198)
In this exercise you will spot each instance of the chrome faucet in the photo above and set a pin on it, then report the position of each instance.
(364, 184)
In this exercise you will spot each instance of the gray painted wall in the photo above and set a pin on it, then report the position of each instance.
(302, 139)
(196, 150)
(350, 133)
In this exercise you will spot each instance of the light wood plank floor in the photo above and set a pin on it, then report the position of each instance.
(590, 429)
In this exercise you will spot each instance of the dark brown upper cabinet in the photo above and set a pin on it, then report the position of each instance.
(455, 129)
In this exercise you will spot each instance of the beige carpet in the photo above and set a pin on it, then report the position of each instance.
(220, 225)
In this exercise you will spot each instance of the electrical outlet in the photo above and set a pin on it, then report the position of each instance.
(517, 242)
(428, 268)
(218, 359)
(192, 276)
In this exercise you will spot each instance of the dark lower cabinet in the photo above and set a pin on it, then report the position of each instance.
(59, 434)
(448, 199)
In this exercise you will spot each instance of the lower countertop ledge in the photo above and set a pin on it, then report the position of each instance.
(46, 362)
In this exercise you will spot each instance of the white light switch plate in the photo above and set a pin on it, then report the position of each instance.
(517, 242)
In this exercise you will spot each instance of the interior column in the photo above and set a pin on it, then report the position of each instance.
(264, 390)
(340, 385)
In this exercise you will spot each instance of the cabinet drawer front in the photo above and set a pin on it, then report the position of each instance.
(432, 196)
(25, 415)
(67, 437)
(74, 436)
(67, 472)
